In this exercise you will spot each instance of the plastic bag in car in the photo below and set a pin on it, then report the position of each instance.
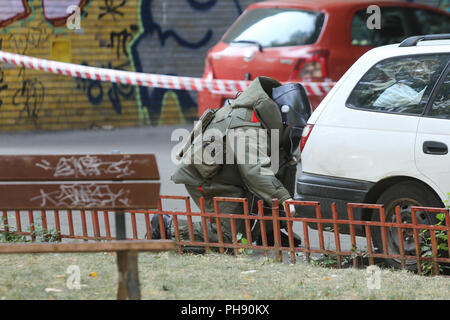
(398, 95)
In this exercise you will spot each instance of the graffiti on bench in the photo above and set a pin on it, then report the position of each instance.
(88, 166)
(82, 195)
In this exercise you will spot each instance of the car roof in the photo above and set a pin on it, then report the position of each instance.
(338, 4)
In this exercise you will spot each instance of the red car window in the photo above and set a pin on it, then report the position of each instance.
(275, 27)
(397, 24)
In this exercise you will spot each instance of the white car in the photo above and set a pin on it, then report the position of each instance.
(381, 135)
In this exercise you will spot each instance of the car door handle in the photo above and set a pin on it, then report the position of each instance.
(435, 148)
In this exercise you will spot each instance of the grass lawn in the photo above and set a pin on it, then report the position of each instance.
(210, 276)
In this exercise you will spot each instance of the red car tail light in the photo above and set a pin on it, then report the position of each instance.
(314, 66)
(305, 135)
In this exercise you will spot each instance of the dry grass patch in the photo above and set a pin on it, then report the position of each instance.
(212, 276)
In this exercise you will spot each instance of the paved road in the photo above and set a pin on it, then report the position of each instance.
(132, 140)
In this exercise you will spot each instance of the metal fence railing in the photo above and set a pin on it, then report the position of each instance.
(92, 224)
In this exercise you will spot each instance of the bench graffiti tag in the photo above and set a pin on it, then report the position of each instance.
(87, 166)
(83, 195)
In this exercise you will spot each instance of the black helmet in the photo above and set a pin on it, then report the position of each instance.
(295, 111)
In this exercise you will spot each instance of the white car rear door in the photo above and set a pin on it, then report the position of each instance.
(433, 139)
(368, 132)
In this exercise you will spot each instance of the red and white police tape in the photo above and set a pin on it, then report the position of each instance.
(217, 86)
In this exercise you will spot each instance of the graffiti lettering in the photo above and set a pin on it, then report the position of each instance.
(30, 97)
(2, 74)
(2, 85)
(88, 166)
(202, 6)
(89, 196)
(35, 37)
(119, 40)
(112, 8)
(116, 91)
(151, 27)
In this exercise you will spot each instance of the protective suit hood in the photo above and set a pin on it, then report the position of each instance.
(258, 96)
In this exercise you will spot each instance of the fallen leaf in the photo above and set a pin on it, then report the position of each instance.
(93, 274)
(48, 290)
(326, 279)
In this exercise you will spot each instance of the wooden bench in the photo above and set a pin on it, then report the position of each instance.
(113, 182)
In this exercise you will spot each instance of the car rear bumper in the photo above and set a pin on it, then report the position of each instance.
(326, 190)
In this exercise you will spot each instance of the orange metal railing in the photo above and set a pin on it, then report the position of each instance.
(92, 224)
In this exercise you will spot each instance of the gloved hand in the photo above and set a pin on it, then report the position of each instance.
(291, 207)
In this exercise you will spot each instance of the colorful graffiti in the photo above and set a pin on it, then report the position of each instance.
(12, 11)
(151, 36)
(170, 38)
(54, 11)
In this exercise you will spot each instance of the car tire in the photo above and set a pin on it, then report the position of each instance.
(403, 194)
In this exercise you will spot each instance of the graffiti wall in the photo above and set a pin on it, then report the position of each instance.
(155, 36)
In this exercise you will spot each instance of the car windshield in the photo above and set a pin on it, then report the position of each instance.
(275, 27)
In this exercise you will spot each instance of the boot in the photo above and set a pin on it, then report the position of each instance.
(154, 224)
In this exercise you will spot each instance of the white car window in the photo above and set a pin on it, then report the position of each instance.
(441, 103)
(398, 85)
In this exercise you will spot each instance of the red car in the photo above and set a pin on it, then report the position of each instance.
(311, 40)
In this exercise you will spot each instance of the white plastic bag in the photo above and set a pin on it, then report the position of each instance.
(398, 95)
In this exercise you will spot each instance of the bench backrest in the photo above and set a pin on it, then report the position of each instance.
(94, 181)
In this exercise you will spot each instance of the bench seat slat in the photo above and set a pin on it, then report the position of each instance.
(87, 195)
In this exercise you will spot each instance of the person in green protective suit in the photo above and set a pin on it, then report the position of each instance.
(248, 148)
